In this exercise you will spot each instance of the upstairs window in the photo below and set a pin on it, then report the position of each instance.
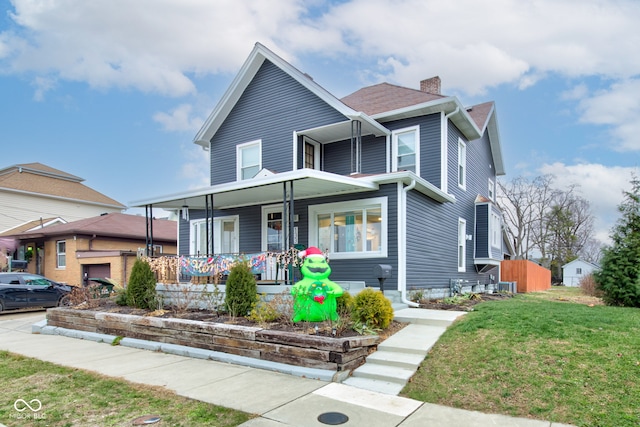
(248, 159)
(492, 190)
(462, 164)
(406, 150)
(578, 270)
(61, 254)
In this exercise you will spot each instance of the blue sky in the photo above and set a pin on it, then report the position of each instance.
(114, 91)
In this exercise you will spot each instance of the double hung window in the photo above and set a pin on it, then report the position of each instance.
(61, 254)
(224, 235)
(248, 160)
(406, 150)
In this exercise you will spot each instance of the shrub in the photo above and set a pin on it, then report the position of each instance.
(589, 287)
(241, 292)
(141, 290)
(373, 309)
(264, 312)
(344, 303)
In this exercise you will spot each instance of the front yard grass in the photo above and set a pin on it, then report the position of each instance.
(72, 397)
(552, 355)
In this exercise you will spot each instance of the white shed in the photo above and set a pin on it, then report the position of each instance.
(573, 271)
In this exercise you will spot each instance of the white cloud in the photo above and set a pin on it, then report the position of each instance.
(179, 119)
(195, 169)
(149, 45)
(158, 45)
(619, 108)
(602, 186)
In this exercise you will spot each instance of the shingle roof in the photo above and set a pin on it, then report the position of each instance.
(110, 225)
(385, 97)
(41, 179)
(26, 226)
(480, 113)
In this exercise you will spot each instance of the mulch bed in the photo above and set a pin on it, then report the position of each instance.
(463, 304)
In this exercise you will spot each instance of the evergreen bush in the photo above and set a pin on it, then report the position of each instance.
(344, 303)
(373, 309)
(241, 292)
(141, 290)
(619, 276)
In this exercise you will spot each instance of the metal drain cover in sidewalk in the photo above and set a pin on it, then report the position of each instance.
(333, 418)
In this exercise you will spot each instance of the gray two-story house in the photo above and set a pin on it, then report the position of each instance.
(385, 176)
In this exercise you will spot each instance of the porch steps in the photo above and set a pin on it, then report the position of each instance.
(397, 358)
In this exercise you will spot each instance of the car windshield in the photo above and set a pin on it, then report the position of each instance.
(36, 280)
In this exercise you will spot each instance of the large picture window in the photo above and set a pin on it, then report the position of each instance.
(406, 150)
(350, 229)
(248, 159)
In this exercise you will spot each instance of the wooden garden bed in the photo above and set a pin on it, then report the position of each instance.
(313, 351)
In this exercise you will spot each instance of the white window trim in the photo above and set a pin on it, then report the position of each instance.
(495, 228)
(192, 237)
(266, 210)
(462, 242)
(58, 253)
(492, 190)
(239, 149)
(462, 161)
(381, 202)
(394, 145)
(316, 152)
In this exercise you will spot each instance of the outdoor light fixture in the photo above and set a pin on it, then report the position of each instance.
(185, 212)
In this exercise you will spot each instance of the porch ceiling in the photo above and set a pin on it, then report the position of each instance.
(307, 183)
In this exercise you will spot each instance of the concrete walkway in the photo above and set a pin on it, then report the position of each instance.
(276, 398)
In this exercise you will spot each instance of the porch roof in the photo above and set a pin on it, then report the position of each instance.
(307, 183)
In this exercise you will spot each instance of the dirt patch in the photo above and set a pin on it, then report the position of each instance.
(461, 302)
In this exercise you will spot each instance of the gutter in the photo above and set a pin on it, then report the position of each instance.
(403, 235)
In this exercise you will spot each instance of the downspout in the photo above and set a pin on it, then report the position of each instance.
(403, 239)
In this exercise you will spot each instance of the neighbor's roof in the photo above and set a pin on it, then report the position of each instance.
(109, 225)
(29, 225)
(39, 179)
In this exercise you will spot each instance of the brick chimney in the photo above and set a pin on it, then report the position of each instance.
(431, 85)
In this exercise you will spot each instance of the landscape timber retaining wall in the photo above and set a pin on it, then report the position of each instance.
(312, 351)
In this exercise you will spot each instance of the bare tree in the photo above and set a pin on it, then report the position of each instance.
(538, 217)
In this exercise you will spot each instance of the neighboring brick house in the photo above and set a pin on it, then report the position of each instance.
(36, 195)
(102, 246)
(386, 176)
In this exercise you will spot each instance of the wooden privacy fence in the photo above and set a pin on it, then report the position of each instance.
(529, 276)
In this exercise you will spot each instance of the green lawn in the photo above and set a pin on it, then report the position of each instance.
(542, 356)
(71, 397)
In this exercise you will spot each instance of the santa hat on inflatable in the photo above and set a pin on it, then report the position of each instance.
(311, 251)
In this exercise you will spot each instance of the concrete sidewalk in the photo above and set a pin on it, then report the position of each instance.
(279, 399)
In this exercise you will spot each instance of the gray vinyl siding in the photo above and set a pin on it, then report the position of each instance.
(337, 156)
(430, 149)
(432, 227)
(272, 106)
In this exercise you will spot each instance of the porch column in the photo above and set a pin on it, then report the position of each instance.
(148, 216)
